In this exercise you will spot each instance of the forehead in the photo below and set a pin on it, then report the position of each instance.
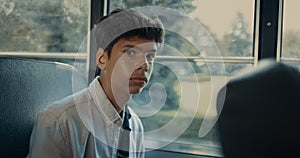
(136, 41)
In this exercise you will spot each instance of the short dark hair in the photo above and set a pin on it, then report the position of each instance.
(122, 24)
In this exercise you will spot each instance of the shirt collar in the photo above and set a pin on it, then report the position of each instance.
(103, 104)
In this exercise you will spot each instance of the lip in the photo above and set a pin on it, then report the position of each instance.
(139, 79)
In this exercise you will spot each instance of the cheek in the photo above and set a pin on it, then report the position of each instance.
(123, 69)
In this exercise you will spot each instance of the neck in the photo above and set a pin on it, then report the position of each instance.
(117, 99)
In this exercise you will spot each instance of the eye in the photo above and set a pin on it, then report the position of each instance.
(130, 52)
(150, 56)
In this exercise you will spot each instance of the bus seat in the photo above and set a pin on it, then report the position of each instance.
(260, 116)
(27, 87)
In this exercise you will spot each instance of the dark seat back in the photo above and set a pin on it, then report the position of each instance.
(260, 117)
(27, 87)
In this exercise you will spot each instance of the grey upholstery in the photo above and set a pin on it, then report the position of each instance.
(260, 117)
(27, 87)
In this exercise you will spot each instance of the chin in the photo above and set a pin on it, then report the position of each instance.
(135, 90)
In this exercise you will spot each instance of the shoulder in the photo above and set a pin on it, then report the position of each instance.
(65, 108)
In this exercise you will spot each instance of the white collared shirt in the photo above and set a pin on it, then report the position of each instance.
(83, 125)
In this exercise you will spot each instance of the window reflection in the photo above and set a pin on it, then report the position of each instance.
(291, 30)
(43, 26)
(230, 26)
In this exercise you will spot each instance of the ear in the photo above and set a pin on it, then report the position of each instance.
(101, 58)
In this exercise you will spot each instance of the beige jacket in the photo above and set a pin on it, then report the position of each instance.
(84, 125)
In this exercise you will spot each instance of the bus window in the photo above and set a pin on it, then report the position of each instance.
(206, 42)
(290, 33)
(45, 30)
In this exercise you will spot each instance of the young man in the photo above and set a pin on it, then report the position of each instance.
(96, 122)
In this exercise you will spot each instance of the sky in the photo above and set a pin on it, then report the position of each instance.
(219, 15)
(291, 15)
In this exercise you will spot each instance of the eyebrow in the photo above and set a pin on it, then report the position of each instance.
(129, 46)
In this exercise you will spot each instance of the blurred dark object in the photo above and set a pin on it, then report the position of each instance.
(260, 116)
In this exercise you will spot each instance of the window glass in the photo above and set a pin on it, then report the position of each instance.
(42, 26)
(291, 34)
(291, 30)
(178, 108)
(230, 22)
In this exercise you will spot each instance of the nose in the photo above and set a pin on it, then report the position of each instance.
(144, 67)
(143, 64)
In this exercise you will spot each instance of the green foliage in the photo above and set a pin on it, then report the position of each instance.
(291, 44)
(158, 120)
(164, 76)
(184, 6)
(44, 26)
(181, 44)
(189, 135)
(237, 43)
